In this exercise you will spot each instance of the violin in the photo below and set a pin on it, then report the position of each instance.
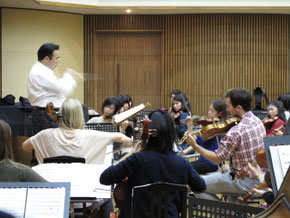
(121, 188)
(205, 120)
(261, 160)
(212, 130)
(268, 122)
(51, 112)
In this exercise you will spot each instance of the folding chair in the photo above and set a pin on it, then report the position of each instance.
(157, 195)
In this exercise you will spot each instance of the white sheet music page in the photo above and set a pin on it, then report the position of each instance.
(284, 153)
(84, 178)
(12, 201)
(45, 202)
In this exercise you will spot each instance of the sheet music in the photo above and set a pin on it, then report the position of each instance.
(84, 178)
(45, 203)
(284, 154)
(280, 156)
(127, 114)
(12, 201)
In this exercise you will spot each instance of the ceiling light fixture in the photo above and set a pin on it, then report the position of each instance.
(128, 11)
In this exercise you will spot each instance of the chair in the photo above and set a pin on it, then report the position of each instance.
(159, 196)
(198, 208)
(64, 159)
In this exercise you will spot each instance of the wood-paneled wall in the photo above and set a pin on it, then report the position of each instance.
(205, 55)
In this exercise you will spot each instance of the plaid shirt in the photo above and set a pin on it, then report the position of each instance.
(242, 142)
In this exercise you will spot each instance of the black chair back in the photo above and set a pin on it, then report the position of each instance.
(159, 192)
(64, 159)
(197, 208)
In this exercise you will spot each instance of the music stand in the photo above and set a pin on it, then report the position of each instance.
(103, 127)
(272, 164)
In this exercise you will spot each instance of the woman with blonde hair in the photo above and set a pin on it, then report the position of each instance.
(10, 170)
(71, 139)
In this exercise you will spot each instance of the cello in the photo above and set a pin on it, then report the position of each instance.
(121, 188)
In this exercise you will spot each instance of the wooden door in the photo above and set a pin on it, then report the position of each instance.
(127, 63)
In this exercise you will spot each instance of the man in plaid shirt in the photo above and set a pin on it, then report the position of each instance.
(240, 146)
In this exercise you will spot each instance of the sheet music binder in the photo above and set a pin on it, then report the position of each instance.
(270, 142)
(32, 199)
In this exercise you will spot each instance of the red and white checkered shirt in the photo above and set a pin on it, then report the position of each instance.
(242, 142)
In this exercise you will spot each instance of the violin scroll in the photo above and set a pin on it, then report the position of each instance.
(50, 111)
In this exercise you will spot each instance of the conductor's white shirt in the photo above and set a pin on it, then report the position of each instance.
(43, 86)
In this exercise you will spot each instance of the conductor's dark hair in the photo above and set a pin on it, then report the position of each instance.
(46, 49)
(239, 96)
(112, 100)
(163, 141)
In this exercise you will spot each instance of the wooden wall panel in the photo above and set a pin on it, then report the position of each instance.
(205, 55)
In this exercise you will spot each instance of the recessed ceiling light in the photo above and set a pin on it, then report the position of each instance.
(128, 11)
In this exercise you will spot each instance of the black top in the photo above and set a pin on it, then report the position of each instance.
(268, 197)
(148, 167)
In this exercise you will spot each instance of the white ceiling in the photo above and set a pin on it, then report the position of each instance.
(158, 7)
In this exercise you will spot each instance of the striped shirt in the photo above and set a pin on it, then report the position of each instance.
(242, 142)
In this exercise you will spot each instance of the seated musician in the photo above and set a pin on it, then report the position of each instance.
(180, 111)
(155, 162)
(276, 118)
(109, 108)
(216, 110)
(71, 139)
(10, 170)
(240, 146)
(127, 103)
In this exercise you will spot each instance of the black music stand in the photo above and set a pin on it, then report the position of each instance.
(103, 127)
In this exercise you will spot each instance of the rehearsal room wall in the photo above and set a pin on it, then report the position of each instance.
(24, 31)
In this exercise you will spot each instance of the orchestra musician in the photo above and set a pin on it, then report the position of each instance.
(276, 118)
(180, 111)
(154, 162)
(10, 170)
(43, 86)
(110, 107)
(285, 99)
(71, 139)
(217, 109)
(240, 146)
